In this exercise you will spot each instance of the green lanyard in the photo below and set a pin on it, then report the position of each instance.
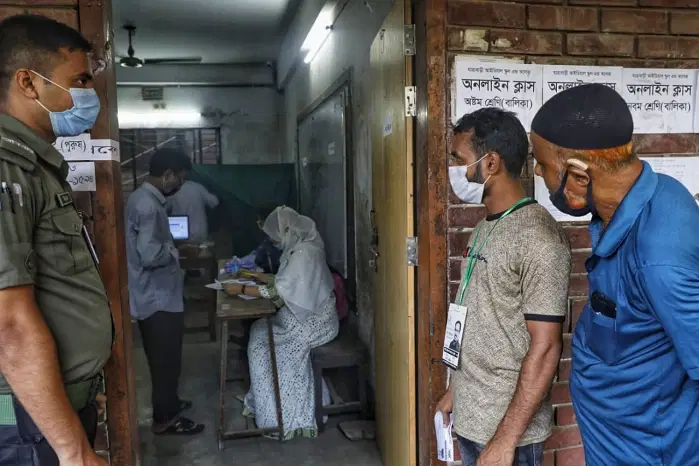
(477, 248)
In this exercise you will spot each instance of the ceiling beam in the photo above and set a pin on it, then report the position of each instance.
(234, 75)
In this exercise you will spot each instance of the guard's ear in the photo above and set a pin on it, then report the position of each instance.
(25, 81)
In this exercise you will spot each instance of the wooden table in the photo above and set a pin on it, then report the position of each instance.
(205, 262)
(234, 308)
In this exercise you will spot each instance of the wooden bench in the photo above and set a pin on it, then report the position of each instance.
(345, 351)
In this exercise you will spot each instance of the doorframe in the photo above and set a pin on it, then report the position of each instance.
(431, 216)
(344, 81)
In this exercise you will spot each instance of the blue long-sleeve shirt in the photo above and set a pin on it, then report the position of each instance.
(156, 281)
(635, 377)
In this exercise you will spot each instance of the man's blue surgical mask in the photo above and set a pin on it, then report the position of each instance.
(78, 119)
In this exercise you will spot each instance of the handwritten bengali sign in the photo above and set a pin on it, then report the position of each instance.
(660, 100)
(511, 86)
(104, 149)
(81, 176)
(74, 148)
(558, 78)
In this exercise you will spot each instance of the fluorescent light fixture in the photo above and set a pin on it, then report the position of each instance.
(155, 117)
(321, 29)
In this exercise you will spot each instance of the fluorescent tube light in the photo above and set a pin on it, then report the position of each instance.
(321, 29)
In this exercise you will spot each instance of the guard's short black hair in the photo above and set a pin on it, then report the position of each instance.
(34, 42)
(169, 159)
(495, 130)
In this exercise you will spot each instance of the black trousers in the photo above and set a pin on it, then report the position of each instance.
(162, 335)
(24, 445)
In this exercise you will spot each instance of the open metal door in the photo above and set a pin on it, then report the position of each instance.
(394, 279)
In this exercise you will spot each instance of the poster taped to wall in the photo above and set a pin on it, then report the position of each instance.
(558, 78)
(511, 86)
(83, 148)
(660, 100)
(81, 176)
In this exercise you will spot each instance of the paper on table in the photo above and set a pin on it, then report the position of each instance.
(246, 297)
(445, 443)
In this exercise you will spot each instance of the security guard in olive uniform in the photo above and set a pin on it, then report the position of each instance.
(55, 322)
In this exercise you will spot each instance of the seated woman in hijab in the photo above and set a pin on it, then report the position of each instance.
(302, 290)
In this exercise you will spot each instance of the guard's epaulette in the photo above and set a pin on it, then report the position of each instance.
(17, 153)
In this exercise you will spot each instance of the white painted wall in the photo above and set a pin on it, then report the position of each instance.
(248, 117)
(346, 48)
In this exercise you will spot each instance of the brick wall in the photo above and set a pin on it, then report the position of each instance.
(630, 33)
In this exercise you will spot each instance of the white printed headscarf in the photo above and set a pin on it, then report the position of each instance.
(304, 281)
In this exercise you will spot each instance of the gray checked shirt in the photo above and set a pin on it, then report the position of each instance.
(156, 281)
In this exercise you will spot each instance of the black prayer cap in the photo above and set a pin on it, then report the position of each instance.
(590, 116)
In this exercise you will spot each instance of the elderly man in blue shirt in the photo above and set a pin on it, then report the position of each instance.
(156, 288)
(635, 375)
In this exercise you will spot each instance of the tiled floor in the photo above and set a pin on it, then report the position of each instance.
(199, 383)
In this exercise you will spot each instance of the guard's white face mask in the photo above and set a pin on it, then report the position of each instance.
(468, 191)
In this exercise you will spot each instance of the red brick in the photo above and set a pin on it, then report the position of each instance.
(648, 63)
(567, 346)
(458, 243)
(562, 18)
(454, 270)
(634, 20)
(578, 261)
(549, 459)
(453, 290)
(571, 457)
(562, 437)
(578, 286)
(565, 415)
(7, 11)
(40, 2)
(67, 16)
(668, 47)
(560, 393)
(579, 236)
(609, 45)
(576, 308)
(564, 370)
(478, 13)
(684, 22)
(604, 2)
(526, 42)
(468, 40)
(562, 61)
(664, 143)
(671, 3)
(465, 216)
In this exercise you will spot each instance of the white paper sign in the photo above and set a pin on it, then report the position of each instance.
(541, 194)
(387, 126)
(510, 86)
(81, 176)
(104, 149)
(558, 78)
(74, 148)
(456, 319)
(445, 441)
(661, 100)
(331, 149)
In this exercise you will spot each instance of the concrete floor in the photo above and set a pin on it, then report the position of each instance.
(199, 383)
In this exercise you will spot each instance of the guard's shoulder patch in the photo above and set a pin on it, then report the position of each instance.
(17, 153)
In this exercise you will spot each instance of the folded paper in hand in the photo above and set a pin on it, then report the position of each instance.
(445, 443)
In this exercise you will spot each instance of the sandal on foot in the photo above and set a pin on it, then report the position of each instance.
(182, 426)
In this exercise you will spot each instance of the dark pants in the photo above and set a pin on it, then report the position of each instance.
(162, 341)
(528, 455)
(24, 445)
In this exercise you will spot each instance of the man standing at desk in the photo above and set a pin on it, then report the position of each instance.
(192, 200)
(156, 288)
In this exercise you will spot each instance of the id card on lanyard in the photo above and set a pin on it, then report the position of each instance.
(456, 317)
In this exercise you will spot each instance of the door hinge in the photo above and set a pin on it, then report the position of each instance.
(411, 250)
(409, 39)
(410, 101)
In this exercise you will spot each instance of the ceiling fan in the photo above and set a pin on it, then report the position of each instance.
(134, 62)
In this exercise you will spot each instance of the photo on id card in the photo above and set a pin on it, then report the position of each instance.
(456, 319)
